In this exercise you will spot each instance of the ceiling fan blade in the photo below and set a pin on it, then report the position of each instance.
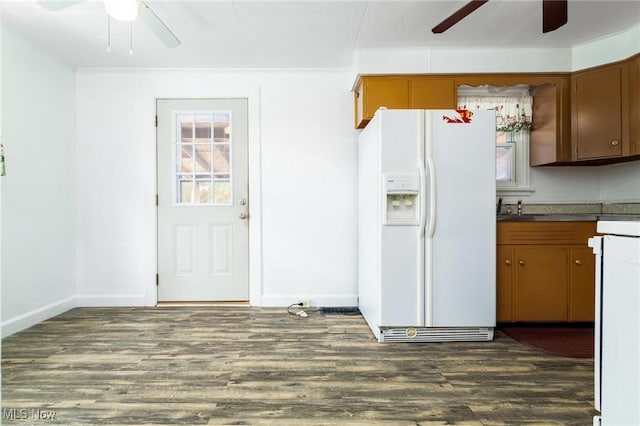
(54, 5)
(457, 16)
(156, 25)
(554, 14)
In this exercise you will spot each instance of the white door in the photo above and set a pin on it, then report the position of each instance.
(202, 178)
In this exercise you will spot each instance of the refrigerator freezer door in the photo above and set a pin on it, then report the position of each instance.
(401, 134)
(390, 292)
(461, 291)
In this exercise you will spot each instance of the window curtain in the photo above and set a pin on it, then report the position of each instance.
(513, 113)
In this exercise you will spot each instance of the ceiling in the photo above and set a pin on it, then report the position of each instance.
(301, 33)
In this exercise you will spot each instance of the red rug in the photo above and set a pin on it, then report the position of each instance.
(572, 342)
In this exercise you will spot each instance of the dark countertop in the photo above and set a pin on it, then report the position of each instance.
(564, 217)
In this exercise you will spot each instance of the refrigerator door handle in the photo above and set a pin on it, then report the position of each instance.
(423, 209)
(432, 197)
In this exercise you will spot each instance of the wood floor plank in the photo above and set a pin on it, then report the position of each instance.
(239, 365)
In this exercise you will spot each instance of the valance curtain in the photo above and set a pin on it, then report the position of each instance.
(513, 113)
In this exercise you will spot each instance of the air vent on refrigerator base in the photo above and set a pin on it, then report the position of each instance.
(435, 334)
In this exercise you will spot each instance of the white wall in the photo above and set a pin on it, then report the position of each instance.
(38, 109)
(303, 165)
(620, 183)
(461, 60)
(609, 49)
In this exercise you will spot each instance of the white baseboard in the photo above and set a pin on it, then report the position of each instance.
(96, 300)
(31, 318)
(28, 319)
(315, 300)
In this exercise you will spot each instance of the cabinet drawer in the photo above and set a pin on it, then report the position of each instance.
(545, 232)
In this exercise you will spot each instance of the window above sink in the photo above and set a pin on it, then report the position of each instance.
(513, 106)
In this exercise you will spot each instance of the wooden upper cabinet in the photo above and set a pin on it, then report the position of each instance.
(588, 117)
(401, 92)
(551, 128)
(597, 113)
(373, 92)
(433, 93)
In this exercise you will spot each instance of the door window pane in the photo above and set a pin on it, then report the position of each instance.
(221, 127)
(203, 158)
(221, 158)
(185, 158)
(185, 128)
(203, 191)
(186, 191)
(203, 152)
(222, 192)
(203, 128)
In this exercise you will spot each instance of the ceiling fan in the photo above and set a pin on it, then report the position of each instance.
(128, 11)
(554, 15)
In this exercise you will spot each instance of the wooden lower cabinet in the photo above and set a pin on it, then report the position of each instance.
(540, 292)
(504, 284)
(582, 264)
(545, 272)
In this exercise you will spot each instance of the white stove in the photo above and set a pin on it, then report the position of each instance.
(617, 328)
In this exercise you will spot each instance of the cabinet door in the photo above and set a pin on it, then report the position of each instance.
(597, 113)
(504, 278)
(551, 132)
(541, 283)
(581, 284)
(634, 105)
(433, 93)
(376, 92)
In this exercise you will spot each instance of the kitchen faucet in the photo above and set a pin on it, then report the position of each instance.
(519, 207)
(499, 205)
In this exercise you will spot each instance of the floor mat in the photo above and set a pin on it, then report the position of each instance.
(572, 342)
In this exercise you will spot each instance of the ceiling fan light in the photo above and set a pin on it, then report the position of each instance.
(122, 10)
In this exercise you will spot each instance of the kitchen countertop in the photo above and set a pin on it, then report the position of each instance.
(562, 217)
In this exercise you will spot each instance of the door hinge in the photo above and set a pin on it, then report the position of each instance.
(156, 200)
(157, 279)
(156, 121)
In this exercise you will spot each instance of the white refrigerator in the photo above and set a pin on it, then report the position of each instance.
(427, 225)
(617, 326)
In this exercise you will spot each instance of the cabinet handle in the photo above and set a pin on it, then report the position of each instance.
(615, 142)
(521, 262)
(578, 262)
(508, 262)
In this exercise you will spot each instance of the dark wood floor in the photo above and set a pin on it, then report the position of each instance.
(203, 365)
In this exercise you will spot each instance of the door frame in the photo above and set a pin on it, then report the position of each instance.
(255, 194)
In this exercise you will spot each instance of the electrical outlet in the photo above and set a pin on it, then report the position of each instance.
(305, 302)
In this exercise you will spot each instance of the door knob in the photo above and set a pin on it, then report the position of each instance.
(578, 262)
(243, 201)
(521, 262)
(508, 262)
(243, 215)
